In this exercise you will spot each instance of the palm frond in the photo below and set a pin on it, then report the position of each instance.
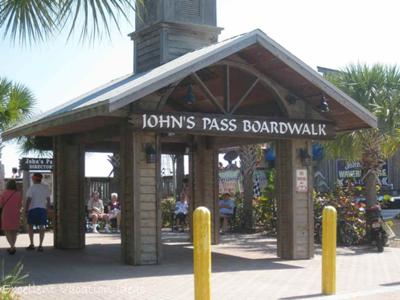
(16, 103)
(344, 146)
(33, 21)
(28, 21)
(377, 88)
(37, 145)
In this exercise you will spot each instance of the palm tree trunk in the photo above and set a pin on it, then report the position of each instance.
(372, 163)
(248, 161)
(370, 189)
(2, 182)
(248, 221)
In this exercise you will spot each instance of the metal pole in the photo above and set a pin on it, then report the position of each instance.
(202, 253)
(329, 251)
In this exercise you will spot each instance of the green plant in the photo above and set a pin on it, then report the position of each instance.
(351, 219)
(238, 218)
(167, 210)
(377, 88)
(265, 208)
(9, 281)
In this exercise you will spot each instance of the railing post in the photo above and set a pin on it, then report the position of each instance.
(202, 253)
(329, 250)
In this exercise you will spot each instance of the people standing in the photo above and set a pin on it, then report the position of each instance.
(37, 203)
(10, 202)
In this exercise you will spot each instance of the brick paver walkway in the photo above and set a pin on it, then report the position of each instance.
(244, 267)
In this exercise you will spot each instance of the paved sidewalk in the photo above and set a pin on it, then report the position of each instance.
(245, 267)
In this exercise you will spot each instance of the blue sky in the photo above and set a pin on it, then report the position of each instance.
(326, 33)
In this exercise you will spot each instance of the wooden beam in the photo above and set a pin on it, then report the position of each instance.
(316, 79)
(245, 95)
(279, 91)
(110, 133)
(208, 93)
(98, 109)
(173, 148)
(180, 139)
(227, 92)
(103, 147)
(223, 143)
(165, 97)
(176, 106)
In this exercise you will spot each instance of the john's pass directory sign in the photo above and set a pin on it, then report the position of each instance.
(36, 164)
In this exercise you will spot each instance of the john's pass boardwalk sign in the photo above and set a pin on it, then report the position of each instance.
(233, 125)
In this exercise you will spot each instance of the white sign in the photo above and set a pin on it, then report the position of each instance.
(221, 124)
(301, 181)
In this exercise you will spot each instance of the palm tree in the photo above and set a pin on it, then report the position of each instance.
(248, 160)
(16, 104)
(37, 20)
(377, 88)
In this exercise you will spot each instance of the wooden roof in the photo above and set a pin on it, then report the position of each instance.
(255, 49)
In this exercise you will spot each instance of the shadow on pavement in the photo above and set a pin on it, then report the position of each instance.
(302, 297)
(390, 284)
(349, 251)
(98, 262)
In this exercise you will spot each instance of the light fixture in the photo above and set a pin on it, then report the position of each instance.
(150, 153)
(187, 150)
(306, 159)
(291, 99)
(323, 105)
(190, 98)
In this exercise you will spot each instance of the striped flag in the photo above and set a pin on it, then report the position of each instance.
(256, 188)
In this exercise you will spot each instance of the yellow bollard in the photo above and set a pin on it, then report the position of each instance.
(202, 253)
(329, 251)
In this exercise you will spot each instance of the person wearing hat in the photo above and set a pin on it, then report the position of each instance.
(37, 203)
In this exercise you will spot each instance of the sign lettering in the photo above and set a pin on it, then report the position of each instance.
(36, 164)
(301, 181)
(352, 170)
(232, 125)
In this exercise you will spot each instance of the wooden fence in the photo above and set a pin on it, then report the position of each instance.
(99, 184)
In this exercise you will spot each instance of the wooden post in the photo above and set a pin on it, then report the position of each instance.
(295, 206)
(180, 173)
(205, 181)
(140, 226)
(69, 229)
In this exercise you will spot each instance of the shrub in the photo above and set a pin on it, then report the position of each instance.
(167, 210)
(238, 217)
(351, 219)
(9, 281)
(265, 208)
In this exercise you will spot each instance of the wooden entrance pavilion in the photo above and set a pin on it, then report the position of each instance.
(244, 90)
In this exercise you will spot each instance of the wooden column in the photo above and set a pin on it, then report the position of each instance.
(205, 181)
(295, 209)
(69, 168)
(140, 223)
(180, 173)
(114, 181)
